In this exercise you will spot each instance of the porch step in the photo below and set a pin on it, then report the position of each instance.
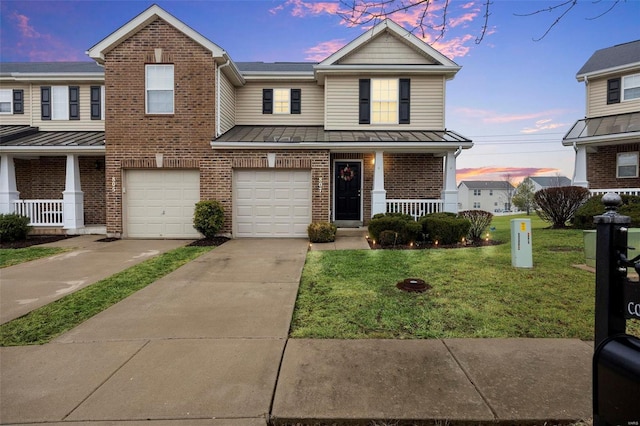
(87, 230)
(352, 232)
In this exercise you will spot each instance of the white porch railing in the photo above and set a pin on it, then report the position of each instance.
(619, 191)
(41, 212)
(415, 208)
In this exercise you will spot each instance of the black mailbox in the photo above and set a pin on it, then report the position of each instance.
(616, 380)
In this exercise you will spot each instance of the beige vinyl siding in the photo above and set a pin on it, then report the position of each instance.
(17, 119)
(249, 104)
(228, 104)
(387, 49)
(84, 124)
(597, 100)
(427, 104)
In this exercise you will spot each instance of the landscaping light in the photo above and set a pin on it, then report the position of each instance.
(411, 244)
(436, 243)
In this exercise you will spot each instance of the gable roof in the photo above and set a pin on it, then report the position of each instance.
(35, 71)
(611, 59)
(443, 65)
(486, 184)
(551, 181)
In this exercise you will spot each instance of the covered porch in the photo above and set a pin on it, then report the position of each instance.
(42, 175)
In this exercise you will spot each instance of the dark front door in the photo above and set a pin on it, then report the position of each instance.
(347, 177)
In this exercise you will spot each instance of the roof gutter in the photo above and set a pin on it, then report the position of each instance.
(347, 146)
(52, 150)
(607, 71)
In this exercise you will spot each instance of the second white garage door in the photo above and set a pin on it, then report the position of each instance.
(271, 203)
(160, 203)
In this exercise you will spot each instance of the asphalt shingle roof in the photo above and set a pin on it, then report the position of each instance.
(611, 57)
(49, 67)
(487, 184)
(275, 66)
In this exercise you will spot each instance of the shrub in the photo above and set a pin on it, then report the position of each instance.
(479, 220)
(388, 239)
(445, 228)
(322, 232)
(208, 217)
(13, 227)
(583, 218)
(558, 205)
(404, 225)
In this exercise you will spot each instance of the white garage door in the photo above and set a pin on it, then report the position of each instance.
(271, 203)
(160, 203)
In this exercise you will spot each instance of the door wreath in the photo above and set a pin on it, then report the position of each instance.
(347, 173)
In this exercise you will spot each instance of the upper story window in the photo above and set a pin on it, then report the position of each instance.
(281, 101)
(491, 192)
(60, 102)
(631, 87)
(477, 192)
(627, 165)
(384, 101)
(159, 89)
(11, 101)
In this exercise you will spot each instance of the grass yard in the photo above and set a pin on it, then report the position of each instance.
(48, 322)
(10, 257)
(476, 292)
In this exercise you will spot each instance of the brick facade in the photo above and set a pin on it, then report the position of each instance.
(183, 138)
(601, 168)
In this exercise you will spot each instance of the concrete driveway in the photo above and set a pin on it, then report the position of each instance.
(30, 285)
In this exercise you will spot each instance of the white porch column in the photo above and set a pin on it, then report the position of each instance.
(72, 196)
(450, 191)
(8, 189)
(378, 194)
(580, 168)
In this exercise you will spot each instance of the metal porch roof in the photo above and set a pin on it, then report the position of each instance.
(604, 129)
(25, 137)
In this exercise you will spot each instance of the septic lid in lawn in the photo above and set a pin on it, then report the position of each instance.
(413, 284)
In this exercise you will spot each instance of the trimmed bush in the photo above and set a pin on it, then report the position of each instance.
(404, 225)
(583, 218)
(388, 239)
(322, 232)
(13, 227)
(445, 228)
(479, 220)
(208, 217)
(558, 205)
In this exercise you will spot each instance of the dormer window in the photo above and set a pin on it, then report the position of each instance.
(159, 89)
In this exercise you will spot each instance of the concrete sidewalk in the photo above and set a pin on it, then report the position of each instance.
(30, 285)
(207, 345)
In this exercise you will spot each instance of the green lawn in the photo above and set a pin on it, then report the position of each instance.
(10, 257)
(47, 322)
(476, 292)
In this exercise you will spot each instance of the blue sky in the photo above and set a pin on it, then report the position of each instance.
(515, 97)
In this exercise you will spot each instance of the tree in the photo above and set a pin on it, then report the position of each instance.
(558, 205)
(523, 198)
(432, 17)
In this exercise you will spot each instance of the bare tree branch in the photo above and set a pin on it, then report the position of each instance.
(485, 25)
(615, 3)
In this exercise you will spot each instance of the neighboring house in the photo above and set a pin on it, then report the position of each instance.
(607, 140)
(488, 195)
(544, 182)
(166, 119)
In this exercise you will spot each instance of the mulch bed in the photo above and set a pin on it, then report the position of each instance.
(206, 242)
(34, 240)
(425, 245)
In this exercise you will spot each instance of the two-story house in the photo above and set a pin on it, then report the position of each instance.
(607, 140)
(487, 195)
(280, 145)
(543, 182)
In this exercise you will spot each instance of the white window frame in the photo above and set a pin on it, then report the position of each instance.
(631, 82)
(6, 96)
(385, 100)
(60, 103)
(165, 84)
(627, 159)
(282, 101)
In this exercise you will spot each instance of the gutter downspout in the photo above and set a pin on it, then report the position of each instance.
(458, 152)
(218, 113)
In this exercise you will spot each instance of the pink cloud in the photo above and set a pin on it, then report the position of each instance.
(514, 174)
(323, 50)
(40, 47)
(301, 8)
(492, 117)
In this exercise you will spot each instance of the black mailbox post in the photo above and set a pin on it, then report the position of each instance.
(616, 360)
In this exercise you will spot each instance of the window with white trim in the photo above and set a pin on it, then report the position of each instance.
(384, 101)
(631, 87)
(59, 102)
(627, 165)
(6, 101)
(159, 89)
(281, 99)
(477, 192)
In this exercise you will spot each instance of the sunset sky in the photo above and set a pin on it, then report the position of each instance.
(515, 97)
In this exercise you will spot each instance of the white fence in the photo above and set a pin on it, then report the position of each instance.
(415, 208)
(41, 212)
(620, 191)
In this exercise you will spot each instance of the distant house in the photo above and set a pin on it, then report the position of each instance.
(487, 195)
(544, 182)
(607, 140)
